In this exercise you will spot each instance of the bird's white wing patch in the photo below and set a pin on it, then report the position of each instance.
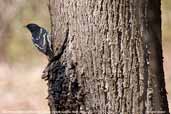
(39, 34)
(44, 39)
(49, 41)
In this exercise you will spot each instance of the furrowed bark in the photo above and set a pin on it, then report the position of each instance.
(112, 60)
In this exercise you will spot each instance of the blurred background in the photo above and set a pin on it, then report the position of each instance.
(21, 65)
(166, 40)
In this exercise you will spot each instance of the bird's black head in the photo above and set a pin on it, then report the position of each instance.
(33, 28)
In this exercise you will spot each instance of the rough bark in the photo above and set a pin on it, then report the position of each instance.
(111, 60)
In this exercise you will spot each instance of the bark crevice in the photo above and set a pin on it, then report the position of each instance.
(108, 64)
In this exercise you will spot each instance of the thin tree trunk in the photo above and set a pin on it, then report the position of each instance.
(109, 57)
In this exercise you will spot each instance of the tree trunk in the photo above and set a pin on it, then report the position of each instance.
(109, 57)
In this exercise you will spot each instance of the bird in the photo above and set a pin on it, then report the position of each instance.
(41, 39)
